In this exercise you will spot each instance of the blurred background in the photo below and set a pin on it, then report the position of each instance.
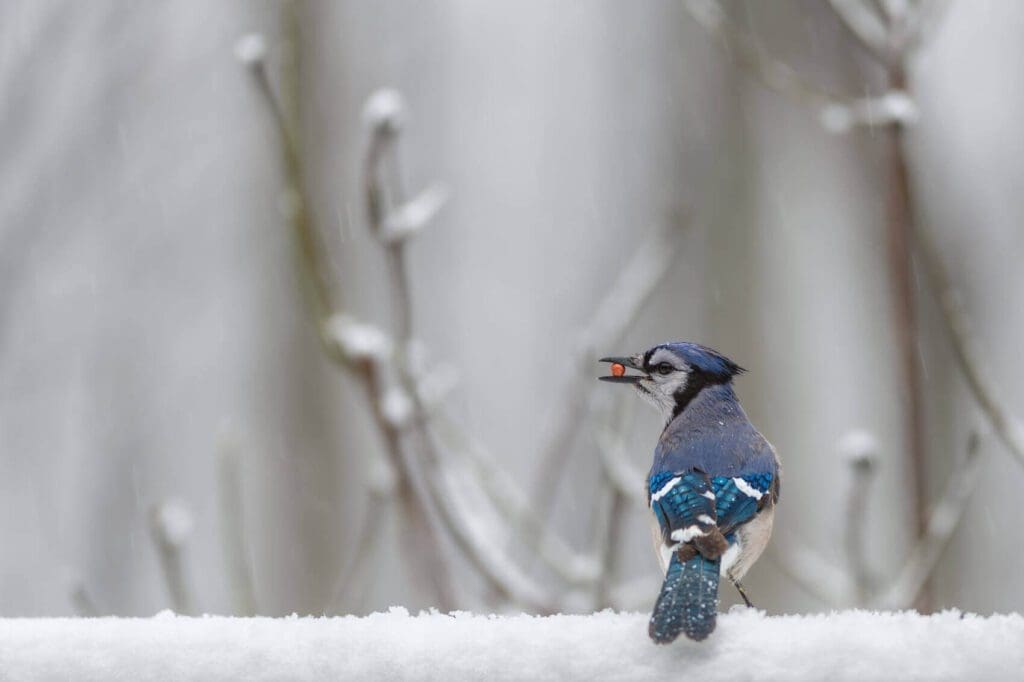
(246, 366)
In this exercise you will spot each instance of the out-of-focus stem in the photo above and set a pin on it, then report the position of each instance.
(969, 356)
(170, 527)
(479, 548)
(900, 228)
(323, 308)
(631, 291)
(860, 451)
(236, 546)
(83, 602)
(942, 522)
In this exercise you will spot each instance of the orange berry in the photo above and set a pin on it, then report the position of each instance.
(618, 370)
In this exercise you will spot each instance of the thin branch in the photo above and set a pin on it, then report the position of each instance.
(235, 542)
(860, 450)
(901, 222)
(382, 485)
(968, 356)
(526, 525)
(611, 523)
(772, 73)
(923, 23)
(83, 602)
(942, 522)
(476, 543)
(170, 527)
(342, 338)
(628, 296)
(809, 570)
(866, 26)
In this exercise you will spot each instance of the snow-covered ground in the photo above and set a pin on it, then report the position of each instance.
(748, 645)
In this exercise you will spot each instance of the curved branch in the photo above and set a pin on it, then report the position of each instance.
(942, 522)
(965, 349)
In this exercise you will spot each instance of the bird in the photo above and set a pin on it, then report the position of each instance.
(713, 485)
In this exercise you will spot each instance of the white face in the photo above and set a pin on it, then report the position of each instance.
(668, 376)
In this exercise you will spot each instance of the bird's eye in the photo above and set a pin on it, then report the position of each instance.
(664, 368)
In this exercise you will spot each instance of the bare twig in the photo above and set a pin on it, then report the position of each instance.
(629, 294)
(901, 221)
(923, 23)
(942, 522)
(610, 526)
(860, 450)
(866, 26)
(965, 349)
(772, 73)
(346, 341)
(83, 602)
(906, 25)
(526, 525)
(170, 527)
(620, 474)
(235, 542)
(477, 544)
(809, 570)
(382, 485)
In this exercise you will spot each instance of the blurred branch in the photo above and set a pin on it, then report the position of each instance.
(236, 546)
(809, 570)
(891, 30)
(942, 522)
(629, 294)
(901, 226)
(858, 585)
(860, 450)
(965, 349)
(772, 73)
(924, 21)
(170, 527)
(383, 113)
(382, 485)
(865, 24)
(510, 500)
(610, 525)
(836, 112)
(83, 602)
(355, 346)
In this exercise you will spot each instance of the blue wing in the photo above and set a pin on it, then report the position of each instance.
(739, 498)
(683, 502)
(690, 500)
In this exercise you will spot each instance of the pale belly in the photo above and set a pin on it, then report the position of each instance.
(751, 539)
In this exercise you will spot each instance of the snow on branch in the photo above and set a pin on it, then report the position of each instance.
(850, 645)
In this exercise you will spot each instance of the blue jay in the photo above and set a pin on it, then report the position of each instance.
(712, 487)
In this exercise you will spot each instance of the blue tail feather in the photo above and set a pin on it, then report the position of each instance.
(688, 601)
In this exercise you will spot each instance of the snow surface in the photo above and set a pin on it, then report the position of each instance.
(852, 645)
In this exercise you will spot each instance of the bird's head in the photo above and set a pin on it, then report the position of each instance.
(671, 374)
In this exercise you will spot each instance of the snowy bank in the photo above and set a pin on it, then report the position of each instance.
(748, 645)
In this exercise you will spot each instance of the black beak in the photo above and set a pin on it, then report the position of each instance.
(625, 378)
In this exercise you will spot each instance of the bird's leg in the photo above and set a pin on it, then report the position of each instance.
(743, 593)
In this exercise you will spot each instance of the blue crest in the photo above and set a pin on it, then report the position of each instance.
(701, 358)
